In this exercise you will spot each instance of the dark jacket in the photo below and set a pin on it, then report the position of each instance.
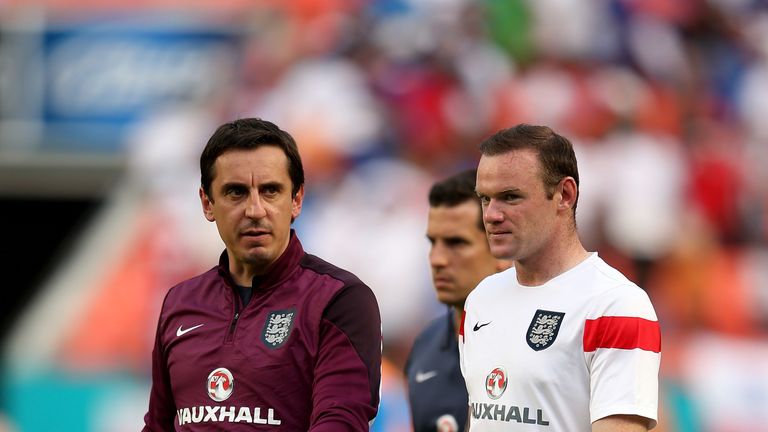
(304, 354)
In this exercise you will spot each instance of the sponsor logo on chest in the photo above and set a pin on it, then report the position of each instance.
(220, 386)
(447, 423)
(227, 414)
(543, 329)
(221, 383)
(496, 383)
(508, 413)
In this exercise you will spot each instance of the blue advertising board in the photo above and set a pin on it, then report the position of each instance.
(98, 78)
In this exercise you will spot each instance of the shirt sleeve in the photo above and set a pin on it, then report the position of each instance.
(162, 408)
(347, 383)
(622, 349)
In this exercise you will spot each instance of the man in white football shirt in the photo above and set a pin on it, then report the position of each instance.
(560, 341)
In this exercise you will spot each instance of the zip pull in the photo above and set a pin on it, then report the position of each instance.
(231, 333)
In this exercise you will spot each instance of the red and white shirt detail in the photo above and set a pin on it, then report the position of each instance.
(583, 346)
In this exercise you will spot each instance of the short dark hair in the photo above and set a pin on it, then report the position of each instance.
(457, 189)
(554, 151)
(250, 133)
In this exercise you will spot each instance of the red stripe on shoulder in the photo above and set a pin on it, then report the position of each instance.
(622, 333)
(461, 325)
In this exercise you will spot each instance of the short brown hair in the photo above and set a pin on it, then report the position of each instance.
(554, 151)
(250, 133)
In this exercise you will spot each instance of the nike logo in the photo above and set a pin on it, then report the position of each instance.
(423, 376)
(182, 332)
(478, 326)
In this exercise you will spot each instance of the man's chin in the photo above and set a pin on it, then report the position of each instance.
(255, 256)
(447, 298)
(502, 252)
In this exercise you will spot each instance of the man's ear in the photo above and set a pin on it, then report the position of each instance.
(207, 205)
(568, 192)
(298, 200)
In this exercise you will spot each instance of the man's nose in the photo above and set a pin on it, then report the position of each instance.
(437, 256)
(254, 208)
(492, 213)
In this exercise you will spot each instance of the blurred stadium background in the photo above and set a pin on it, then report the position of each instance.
(105, 106)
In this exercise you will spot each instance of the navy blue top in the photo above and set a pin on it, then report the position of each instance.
(436, 387)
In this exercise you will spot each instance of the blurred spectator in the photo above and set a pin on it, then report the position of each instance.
(716, 182)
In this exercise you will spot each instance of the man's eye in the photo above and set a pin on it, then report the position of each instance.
(235, 192)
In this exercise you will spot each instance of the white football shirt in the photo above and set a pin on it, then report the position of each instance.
(558, 356)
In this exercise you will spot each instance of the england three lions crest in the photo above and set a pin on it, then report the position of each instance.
(278, 327)
(543, 329)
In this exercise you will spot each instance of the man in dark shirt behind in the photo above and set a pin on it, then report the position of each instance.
(271, 338)
(460, 258)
